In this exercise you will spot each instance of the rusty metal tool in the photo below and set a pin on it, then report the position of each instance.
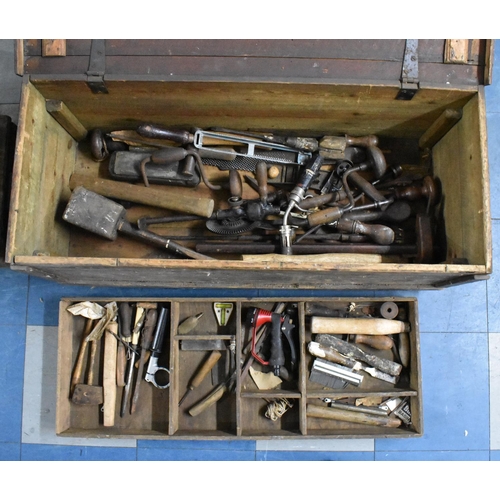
(106, 218)
(125, 336)
(146, 342)
(140, 314)
(202, 139)
(317, 411)
(201, 373)
(297, 194)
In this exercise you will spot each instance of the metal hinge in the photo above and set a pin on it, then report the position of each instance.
(97, 66)
(409, 73)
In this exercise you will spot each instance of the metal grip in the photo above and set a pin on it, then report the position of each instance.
(277, 358)
(310, 172)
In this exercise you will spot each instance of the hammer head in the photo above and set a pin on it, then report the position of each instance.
(94, 213)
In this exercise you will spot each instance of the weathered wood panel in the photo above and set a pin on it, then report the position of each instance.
(236, 274)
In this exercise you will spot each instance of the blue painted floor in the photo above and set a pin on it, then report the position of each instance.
(460, 356)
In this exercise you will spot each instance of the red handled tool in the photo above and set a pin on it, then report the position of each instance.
(280, 325)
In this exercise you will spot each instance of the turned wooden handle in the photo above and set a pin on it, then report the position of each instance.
(205, 368)
(121, 365)
(154, 132)
(90, 369)
(207, 402)
(365, 326)
(169, 198)
(404, 349)
(109, 374)
(381, 342)
(349, 416)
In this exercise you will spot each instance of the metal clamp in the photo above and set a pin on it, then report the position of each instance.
(409, 73)
(97, 65)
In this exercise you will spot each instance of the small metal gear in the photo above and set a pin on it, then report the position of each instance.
(230, 226)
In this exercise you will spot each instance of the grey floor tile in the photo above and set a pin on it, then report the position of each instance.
(316, 445)
(11, 110)
(10, 88)
(39, 401)
(494, 363)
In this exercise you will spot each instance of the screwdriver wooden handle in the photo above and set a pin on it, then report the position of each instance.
(381, 342)
(205, 369)
(366, 326)
(207, 402)
(109, 374)
(154, 132)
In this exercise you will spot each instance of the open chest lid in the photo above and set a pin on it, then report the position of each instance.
(409, 64)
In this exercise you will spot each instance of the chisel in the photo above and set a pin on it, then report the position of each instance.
(202, 373)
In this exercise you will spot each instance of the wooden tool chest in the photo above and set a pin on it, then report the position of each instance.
(303, 402)
(428, 119)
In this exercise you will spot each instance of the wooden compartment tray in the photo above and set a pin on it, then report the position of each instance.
(240, 413)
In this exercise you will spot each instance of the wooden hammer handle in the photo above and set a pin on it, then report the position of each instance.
(77, 372)
(109, 374)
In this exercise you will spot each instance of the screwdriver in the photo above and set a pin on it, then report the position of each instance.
(202, 373)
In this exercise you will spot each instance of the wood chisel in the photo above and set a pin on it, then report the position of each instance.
(203, 371)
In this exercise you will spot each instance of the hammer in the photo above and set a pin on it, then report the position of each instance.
(104, 217)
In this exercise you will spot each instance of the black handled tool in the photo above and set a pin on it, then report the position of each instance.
(280, 325)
